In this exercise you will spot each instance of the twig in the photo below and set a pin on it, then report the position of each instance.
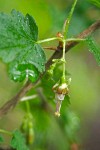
(28, 98)
(84, 34)
(57, 54)
(51, 48)
(13, 101)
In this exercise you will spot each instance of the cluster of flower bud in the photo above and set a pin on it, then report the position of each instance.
(27, 128)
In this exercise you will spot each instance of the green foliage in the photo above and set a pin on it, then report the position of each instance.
(26, 58)
(72, 125)
(18, 141)
(94, 49)
(28, 63)
(1, 139)
(95, 2)
(69, 18)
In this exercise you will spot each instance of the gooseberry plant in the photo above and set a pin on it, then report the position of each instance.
(21, 50)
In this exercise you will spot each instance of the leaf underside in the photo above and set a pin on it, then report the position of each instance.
(18, 48)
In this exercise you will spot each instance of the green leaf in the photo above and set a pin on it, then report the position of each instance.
(94, 49)
(33, 27)
(18, 36)
(28, 64)
(69, 18)
(18, 141)
(72, 124)
(1, 139)
(95, 2)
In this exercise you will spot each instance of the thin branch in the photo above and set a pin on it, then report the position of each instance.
(84, 34)
(57, 54)
(51, 48)
(28, 98)
(13, 101)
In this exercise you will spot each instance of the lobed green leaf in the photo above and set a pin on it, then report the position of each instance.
(18, 141)
(28, 64)
(18, 36)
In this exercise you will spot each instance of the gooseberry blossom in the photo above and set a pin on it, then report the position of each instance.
(60, 91)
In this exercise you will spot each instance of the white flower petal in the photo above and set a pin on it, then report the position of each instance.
(59, 96)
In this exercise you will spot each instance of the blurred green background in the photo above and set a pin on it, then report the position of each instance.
(85, 87)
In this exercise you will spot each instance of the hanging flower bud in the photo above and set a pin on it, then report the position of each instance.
(60, 91)
(27, 128)
(24, 125)
(30, 134)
